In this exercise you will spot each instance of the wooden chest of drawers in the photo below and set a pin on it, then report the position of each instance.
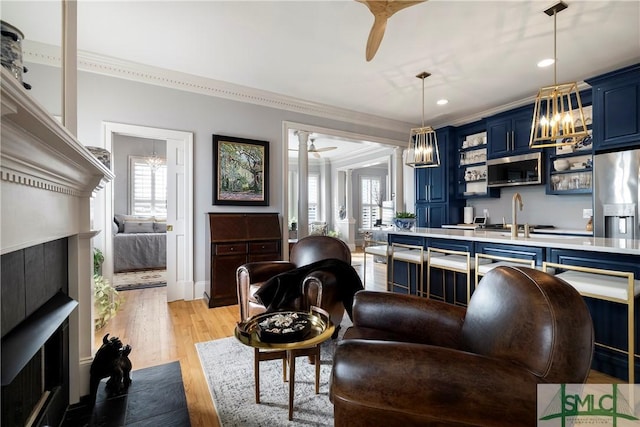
(235, 239)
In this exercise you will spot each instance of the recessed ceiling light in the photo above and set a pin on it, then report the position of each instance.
(442, 102)
(546, 62)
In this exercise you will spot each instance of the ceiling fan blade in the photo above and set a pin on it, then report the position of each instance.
(382, 11)
(319, 150)
(375, 36)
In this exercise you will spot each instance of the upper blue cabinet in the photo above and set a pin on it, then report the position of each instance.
(616, 109)
(508, 133)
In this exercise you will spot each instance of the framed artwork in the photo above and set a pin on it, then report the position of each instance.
(240, 171)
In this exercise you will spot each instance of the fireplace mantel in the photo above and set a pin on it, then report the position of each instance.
(47, 180)
(39, 156)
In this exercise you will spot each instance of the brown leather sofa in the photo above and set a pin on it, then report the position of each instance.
(410, 361)
(320, 287)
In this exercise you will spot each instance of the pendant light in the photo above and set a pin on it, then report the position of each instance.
(557, 108)
(154, 161)
(423, 144)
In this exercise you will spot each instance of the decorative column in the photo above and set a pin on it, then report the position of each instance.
(303, 184)
(351, 233)
(398, 180)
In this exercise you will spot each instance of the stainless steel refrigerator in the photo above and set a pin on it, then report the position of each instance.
(616, 194)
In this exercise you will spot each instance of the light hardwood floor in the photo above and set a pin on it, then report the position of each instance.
(161, 332)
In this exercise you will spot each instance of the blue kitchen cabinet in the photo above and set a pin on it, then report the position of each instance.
(616, 109)
(436, 201)
(432, 215)
(431, 183)
(508, 133)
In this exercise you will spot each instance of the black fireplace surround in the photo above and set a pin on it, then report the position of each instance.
(35, 334)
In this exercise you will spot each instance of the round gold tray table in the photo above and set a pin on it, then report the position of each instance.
(321, 329)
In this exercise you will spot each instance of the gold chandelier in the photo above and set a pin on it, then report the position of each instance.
(423, 144)
(557, 108)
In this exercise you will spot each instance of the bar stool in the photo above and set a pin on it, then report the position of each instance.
(375, 250)
(411, 254)
(608, 285)
(450, 260)
(482, 268)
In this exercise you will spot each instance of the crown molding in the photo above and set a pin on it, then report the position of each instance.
(114, 67)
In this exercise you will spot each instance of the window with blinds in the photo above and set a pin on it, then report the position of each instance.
(370, 197)
(314, 197)
(148, 188)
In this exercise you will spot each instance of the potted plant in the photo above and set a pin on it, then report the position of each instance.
(404, 220)
(98, 259)
(106, 299)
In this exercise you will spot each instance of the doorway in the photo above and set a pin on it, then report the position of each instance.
(319, 182)
(179, 161)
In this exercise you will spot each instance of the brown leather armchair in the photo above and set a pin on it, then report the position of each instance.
(319, 287)
(414, 361)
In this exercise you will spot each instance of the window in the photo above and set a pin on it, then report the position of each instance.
(314, 197)
(370, 199)
(148, 188)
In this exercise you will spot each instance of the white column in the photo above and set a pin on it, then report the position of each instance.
(70, 66)
(349, 193)
(303, 184)
(398, 180)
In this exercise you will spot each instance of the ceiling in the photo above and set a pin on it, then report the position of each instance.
(482, 54)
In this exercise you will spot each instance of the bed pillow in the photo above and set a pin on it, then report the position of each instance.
(160, 227)
(138, 227)
(120, 219)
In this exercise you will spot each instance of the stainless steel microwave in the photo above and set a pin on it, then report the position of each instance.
(525, 169)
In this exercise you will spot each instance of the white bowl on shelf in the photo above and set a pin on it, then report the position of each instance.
(561, 164)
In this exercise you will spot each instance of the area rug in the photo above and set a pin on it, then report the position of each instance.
(228, 368)
(140, 279)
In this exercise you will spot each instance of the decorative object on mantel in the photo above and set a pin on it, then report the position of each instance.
(404, 220)
(423, 143)
(12, 51)
(557, 107)
(101, 154)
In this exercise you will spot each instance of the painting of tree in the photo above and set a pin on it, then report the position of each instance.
(240, 171)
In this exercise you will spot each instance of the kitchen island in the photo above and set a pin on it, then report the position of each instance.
(545, 238)
(609, 318)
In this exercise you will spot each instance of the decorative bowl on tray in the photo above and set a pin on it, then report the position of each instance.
(283, 327)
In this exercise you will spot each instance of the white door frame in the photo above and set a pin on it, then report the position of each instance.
(180, 283)
(288, 126)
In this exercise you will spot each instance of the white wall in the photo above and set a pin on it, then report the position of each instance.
(102, 98)
(561, 211)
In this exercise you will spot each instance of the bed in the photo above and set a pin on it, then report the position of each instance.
(139, 244)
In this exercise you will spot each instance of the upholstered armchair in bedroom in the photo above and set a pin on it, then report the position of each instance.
(319, 287)
(410, 361)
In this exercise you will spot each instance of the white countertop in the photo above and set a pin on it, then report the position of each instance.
(575, 232)
(545, 240)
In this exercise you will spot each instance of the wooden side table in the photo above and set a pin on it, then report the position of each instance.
(321, 330)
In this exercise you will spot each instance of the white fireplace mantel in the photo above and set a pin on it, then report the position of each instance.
(47, 179)
(46, 167)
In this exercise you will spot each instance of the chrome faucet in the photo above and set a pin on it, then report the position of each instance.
(514, 217)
